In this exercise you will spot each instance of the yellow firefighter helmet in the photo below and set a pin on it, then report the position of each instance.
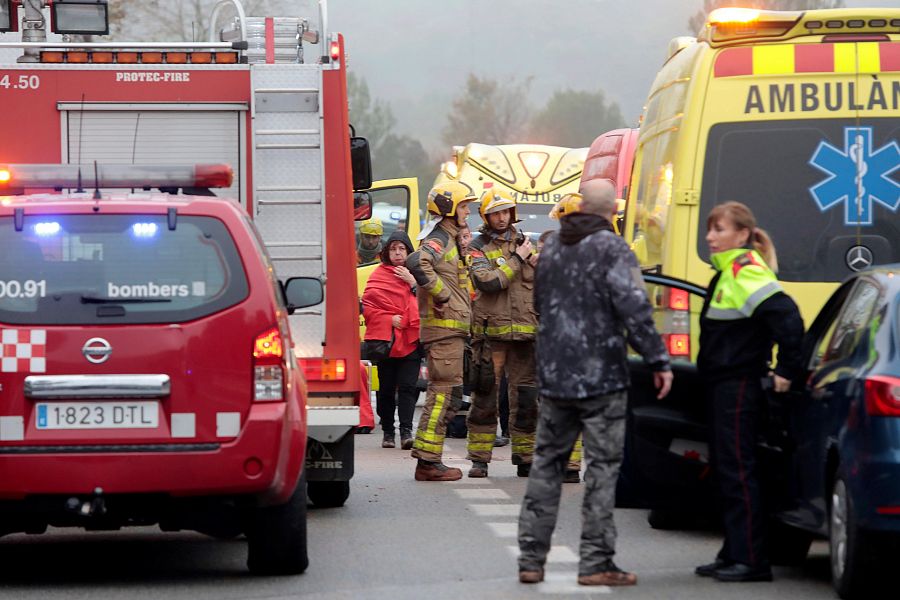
(444, 198)
(567, 205)
(371, 226)
(494, 201)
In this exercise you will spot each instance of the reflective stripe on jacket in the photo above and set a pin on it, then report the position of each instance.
(744, 313)
(443, 282)
(504, 303)
(745, 283)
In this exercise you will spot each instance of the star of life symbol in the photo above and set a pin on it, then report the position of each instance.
(23, 351)
(857, 176)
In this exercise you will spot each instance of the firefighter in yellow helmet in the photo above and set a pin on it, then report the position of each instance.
(502, 271)
(445, 313)
(368, 246)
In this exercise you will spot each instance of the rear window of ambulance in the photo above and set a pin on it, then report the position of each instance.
(801, 179)
(109, 269)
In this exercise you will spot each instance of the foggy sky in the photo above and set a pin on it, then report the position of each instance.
(416, 54)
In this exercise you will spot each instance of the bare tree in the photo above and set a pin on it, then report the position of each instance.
(697, 21)
(177, 20)
(489, 112)
(573, 118)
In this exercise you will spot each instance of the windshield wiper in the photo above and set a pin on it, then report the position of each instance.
(99, 300)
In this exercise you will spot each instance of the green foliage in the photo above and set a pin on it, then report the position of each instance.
(489, 112)
(573, 118)
(697, 21)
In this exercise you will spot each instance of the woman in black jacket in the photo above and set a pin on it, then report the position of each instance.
(745, 312)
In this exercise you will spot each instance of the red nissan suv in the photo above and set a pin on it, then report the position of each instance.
(147, 375)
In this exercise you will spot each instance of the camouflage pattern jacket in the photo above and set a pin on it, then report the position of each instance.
(505, 288)
(591, 300)
(443, 284)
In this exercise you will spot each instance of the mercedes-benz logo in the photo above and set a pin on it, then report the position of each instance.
(96, 350)
(859, 257)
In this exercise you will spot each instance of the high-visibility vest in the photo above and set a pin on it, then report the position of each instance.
(746, 281)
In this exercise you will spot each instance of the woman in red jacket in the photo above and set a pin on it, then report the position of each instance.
(390, 310)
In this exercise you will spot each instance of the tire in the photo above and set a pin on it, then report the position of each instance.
(787, 545)
(850, 568)
(329, 494)
(276, 536)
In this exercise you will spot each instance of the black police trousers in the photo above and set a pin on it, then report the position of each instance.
(736, 408)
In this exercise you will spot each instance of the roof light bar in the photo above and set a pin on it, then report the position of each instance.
(116, 176)
(735, 24)
(733, 15)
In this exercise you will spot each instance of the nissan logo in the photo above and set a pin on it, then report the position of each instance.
(859, 258)
(96, 350)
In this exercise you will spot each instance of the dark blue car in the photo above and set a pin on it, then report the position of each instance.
(829, 450)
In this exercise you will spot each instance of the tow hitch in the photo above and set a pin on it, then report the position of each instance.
(95, 507)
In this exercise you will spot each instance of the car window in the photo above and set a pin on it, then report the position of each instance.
(854, 318)
(108, 269)
(390, 211)
(676, 314)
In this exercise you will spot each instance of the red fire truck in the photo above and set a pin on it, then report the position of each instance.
(267, 96)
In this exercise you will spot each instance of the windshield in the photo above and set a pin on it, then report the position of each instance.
(107, 269)
(801, 180)
(534, 219)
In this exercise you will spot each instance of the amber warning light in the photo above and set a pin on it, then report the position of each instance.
(116, 176)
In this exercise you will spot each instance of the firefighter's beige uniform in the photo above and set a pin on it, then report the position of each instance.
(445, 313)
(503, 311)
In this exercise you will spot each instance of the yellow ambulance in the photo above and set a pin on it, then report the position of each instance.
(536, 176)
(797, 115)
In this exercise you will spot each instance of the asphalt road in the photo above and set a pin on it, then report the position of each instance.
(396, 539)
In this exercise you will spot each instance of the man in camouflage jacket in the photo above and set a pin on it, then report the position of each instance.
(592, 301)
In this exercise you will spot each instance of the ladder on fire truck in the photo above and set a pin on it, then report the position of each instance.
(288, 178)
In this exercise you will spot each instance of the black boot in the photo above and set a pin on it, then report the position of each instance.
(739, 572)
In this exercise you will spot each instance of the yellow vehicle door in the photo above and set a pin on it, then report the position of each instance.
(395, 205)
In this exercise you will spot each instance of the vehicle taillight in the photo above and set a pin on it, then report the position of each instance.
(324, 369)
(335, 50)
(675, 328)
(679, 299)
(679, 344)
(268, 366)
(883, 396)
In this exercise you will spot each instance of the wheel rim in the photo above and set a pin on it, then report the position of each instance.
(838, 537)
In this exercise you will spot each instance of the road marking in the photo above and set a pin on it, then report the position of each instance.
(510, 530)
(496, 510)
(558, 554)
(567, 583)
(483, 494)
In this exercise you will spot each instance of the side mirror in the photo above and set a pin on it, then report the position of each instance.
(302, 292)
(361, 163)
(362, 206)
